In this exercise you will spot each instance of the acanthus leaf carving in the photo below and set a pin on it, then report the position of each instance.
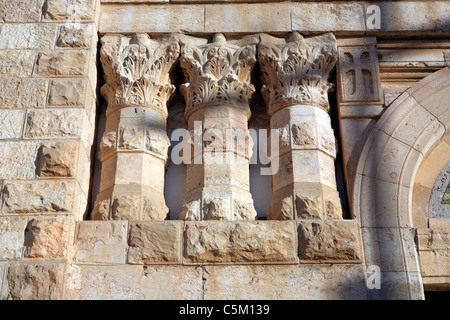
(218, 73)
(137, 71)
(297, 72)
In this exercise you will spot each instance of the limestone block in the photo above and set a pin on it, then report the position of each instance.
(16, 63)
(17, 159)
(11, 122)
(333, 240)
(435, 263)
(167, 18)
(74, 10)
(37, 197)
(240, 242)
(62, 63)
(21, 10)
(155, 242)
(75, 35)
(271, 17)
(47, 237)
(12, 230)
(58, 159)
(285, 282)
(414, 16)
(433, 239)
(27, 36)
(48, 124)
(102, 242)
(35, 280)
(67, 92)
(132, 282)
(23, 93)
(309, 16)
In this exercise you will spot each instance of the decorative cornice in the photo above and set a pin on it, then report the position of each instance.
(137, 71)
(218, 73)
(297, 72)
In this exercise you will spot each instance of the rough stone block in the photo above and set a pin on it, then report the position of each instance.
(17, 159)
(47, 237)
(73, 10)
(21, 10)
(23, 93)
(240, 242)
(102, 242)
(11, 122)
(131, 282)
(58, 159)
(285, 282)
(334, 240)
(62, 63)
(47, 124)
(67, 92)
(35, 280)
(12, 230)
(37, 197)
(27, 36)
(16, 63)
(258, 17)
(153, 242)
(75, 35)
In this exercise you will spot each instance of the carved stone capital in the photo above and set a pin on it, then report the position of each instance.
(296, 72)
(137, 71)
(218, 73)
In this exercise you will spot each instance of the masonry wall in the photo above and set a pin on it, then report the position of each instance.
(48, 108)
(48, 84)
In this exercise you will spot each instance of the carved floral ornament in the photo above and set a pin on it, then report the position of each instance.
(297, 72)
(137, 70)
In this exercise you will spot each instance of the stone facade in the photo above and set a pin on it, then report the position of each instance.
(353, 98)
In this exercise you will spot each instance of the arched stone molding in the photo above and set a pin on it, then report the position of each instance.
(385, 175)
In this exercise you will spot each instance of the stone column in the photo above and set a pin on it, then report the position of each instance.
(134, 147)
(295, 74)
(217, 92)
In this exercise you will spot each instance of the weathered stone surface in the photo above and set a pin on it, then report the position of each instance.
(155, 242)
(62, 63)
(433, 239)
(11, 122)
(102, 242)
(21, 10)
(48, 237)
(131, 282)
(18, 159)
(12, 230)
(240, 242)
(23, 93)
(285, 282)
(35, 280)
(16, 63)
(37, 197)
(67, 92)
(328, 16)
(333, 240)
(75, 35)
(58, 159)
(49, 124)
(27, 36)
(258, 17)
(169, 18)
(74, 11)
